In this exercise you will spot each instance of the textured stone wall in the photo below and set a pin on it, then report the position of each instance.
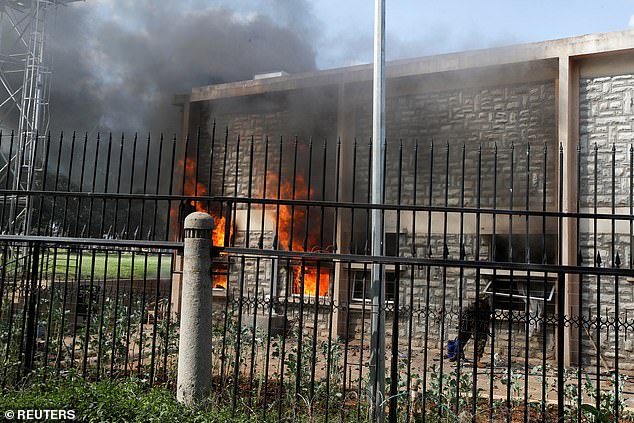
(508, 118)
(300, 116)
(606, 130)
(606, 121)
(512, 115)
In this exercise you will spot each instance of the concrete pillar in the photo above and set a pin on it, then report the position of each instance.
(568, 129)
(194, 349)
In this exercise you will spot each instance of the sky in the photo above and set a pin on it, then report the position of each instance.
(117, 64)
(417, 28)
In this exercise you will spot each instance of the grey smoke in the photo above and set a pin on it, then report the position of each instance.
(120, 71)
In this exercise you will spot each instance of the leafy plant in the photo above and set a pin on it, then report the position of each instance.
(454, 400)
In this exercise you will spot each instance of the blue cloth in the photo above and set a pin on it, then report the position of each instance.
(453, 347)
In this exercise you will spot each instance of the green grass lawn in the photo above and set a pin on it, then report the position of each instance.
(109, 264)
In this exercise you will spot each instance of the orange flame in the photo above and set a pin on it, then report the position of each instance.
(292, 220)
(197, 188)
(218, 235)
(310, 280)
(219, 281)
(191, 186)
(292, 224)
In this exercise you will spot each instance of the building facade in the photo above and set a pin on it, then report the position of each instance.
(542, 127)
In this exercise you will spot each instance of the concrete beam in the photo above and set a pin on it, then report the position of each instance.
(583, 46)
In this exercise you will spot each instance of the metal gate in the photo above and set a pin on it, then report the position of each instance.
(506, 273)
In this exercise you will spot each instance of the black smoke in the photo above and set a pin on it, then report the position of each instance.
(117, 68)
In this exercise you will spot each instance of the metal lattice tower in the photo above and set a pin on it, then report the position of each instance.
(24, 93)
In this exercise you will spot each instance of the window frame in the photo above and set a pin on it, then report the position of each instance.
(354, 295)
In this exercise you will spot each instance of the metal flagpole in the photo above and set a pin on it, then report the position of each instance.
(377, 356)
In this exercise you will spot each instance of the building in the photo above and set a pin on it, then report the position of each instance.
(529, 117)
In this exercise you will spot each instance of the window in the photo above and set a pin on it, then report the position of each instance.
(512, 296)
(501, 248)
(361, 283)
(311, 279)
(391, 244)
(219, 274)
(512, 293)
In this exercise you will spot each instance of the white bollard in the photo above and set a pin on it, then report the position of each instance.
(194, 349)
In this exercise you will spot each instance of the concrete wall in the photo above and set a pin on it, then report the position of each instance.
(606, 129)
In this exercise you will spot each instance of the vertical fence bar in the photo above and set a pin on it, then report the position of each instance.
(258, 263)
(3, 284)
(272, 283)
(545, 284)
(302, 297)
(580, 312)
(527, 259)
(274, 265)
(95, 165)
(102, 313)
(561, 286)
(25, 291)
(88, 313)
(31, 322)
(157, 294)
(493, 257)
(71, 160)
(616, 263)
(478, 193)
(170, 190)
(509, 343)
(106, 186)
(223, 358)
(349, 287)
(313, 366)
(561, 321)
(115, 317)
(410, 330)
(81, 186)
(331, 286)
(128, 332)
(394, 373)
(51, 301)
(443, 307)
(112, 231)
(10, 336)
(428, 252)
(56, 184)
(461, 292)
(597, 263)
(288, 282)
(44, 177)
(236, 375)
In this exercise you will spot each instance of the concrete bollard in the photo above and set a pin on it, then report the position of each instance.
(194, 349)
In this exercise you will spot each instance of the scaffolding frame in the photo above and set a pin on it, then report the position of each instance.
(25, 76)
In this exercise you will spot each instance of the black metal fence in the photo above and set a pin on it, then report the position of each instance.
(91, 272)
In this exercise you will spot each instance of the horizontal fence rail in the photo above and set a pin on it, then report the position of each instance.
(104, 311)
(507, 271)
